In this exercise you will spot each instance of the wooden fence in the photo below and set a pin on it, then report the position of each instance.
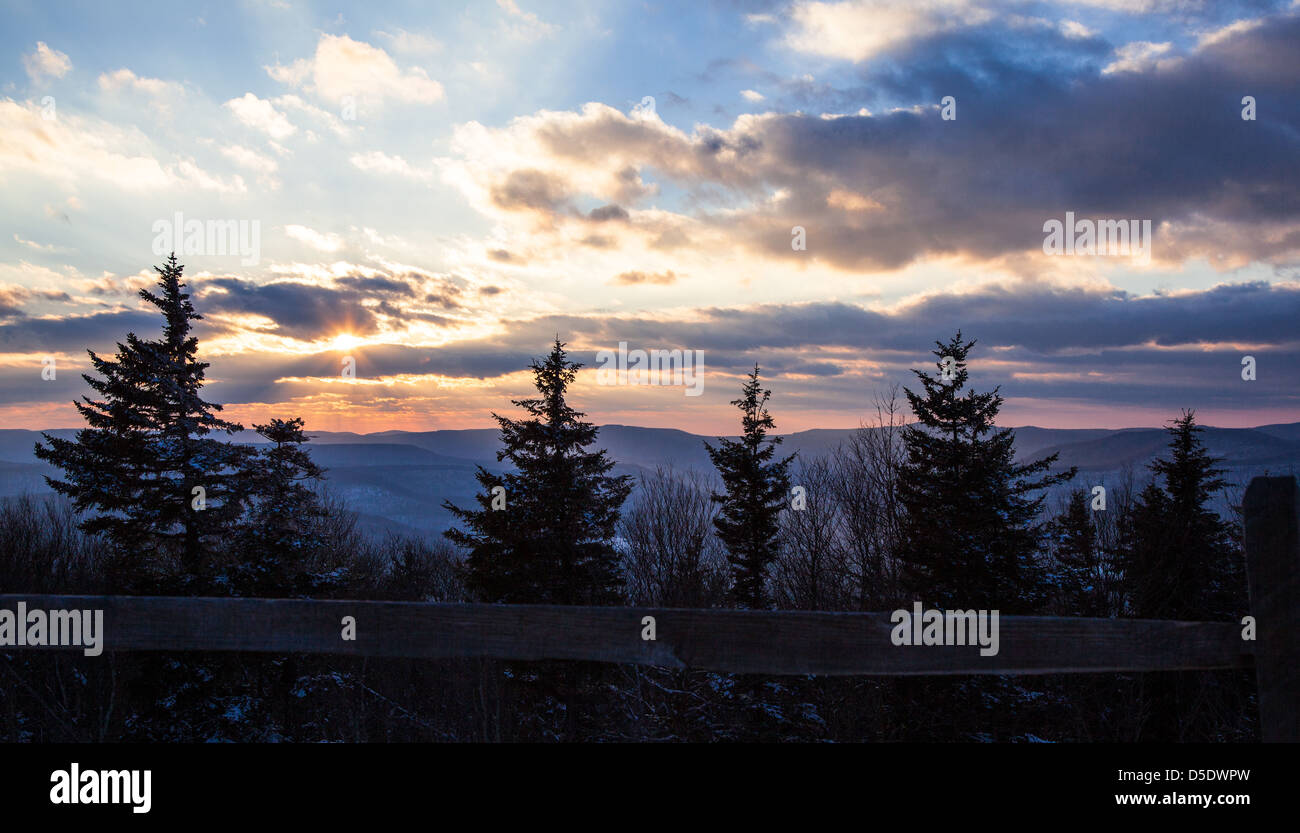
(766, 642)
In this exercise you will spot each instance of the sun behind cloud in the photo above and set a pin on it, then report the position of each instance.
(346, 341)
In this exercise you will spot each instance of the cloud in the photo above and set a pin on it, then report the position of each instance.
(46, 62)
(260, 114)
(530, 189)
(74, 150)
(880, 192)
(1102, 347)
(298, 310)
(1075, 29)
(633, 278)
(125, 79)
(322, 242)
(1140, 56)
(606, 213)
(751, 95)
(525, 25)
(1228, 31)
(411, 42)
(378, 162)
(328, 119)
(10, 301)
(311, 305)
(73, 334)
(250, 159)
(342, 67)
(46, 247)
(860, 29)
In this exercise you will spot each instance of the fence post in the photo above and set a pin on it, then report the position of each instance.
(1272, 542)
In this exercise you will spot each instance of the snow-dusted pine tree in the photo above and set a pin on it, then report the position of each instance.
(144, 470)
(543, 533)
(280, 544)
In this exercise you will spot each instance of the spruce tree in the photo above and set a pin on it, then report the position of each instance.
(543, 532)
(1080, 569)
(971, 534)
(280, 540)
(145, 470)
(1182, 561)
(756, 488)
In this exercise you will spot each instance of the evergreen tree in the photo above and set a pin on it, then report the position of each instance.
(280, 541)
(757, 487)
(1182, 561)
(155, 483)
(1080, 568)
(971, 534)
(543, 533)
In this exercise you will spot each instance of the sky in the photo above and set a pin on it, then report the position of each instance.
(432, 193)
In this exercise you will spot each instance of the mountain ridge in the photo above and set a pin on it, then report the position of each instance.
(397, 480)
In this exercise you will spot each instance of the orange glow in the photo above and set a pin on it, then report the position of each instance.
(346, 341)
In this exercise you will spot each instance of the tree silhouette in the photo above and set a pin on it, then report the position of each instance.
(156, 484)
(1180, 561)
(280, 539)
(550, 537)
(970, 536)
(1080, 566)
(756, 488)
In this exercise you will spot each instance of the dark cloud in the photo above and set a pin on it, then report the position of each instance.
(1031, 142)
(76, 333)
(13, 298)
(353, 304)
(376, 285)
(1049, 345)
(1047, 321)
(10, 304)
(447, 299)
(609, 212)
(530, 189)
(299, 310)
(1039, 131)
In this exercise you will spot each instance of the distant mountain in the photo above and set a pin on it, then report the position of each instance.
(1287, 431)
(17, 444)
(1139, 446)
(1032, 441)
(351, 455)
(397, 480)
(472, 443)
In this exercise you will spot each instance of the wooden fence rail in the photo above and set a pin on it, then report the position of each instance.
(718, 640)
(770, 642)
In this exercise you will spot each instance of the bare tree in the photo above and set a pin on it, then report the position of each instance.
(867, 469)
(809, 573)
(671, 556)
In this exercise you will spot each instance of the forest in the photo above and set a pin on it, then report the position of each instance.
(926, 503)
